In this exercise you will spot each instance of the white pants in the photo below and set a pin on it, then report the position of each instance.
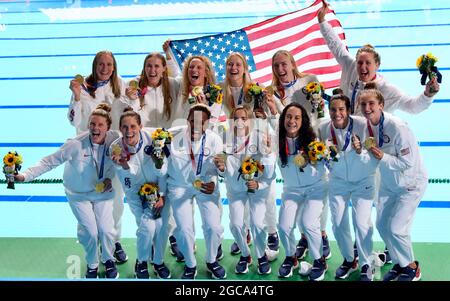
(271, 209)
(395, 213)
(270, 218)
(361, 195)
(182, 201)
(256, 203)
(95, 223)
(118, 207)
(323, 216)
(147, 231)
(312, 198)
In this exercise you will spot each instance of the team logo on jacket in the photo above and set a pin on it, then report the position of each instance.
(253, 148)
(386, 138)
(206, 152)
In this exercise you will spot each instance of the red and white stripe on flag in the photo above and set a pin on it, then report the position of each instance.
(299, 33)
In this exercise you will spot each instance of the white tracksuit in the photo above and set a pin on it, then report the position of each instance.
(393, 98)
(92, 210)
(294, 93)
(238, 196)
(152, 113)
(182, 193)
(309, 187)
(142, 170)
(351, 178)
(270, 124)
(403, 183)
(78, 115)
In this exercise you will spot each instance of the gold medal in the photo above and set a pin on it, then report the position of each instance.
(116, 150)
(79, 78)
(300, 161)
(197, 90)
(370, 142)
(100, 187)
(197, 184)
(269, 90)
(133, 84)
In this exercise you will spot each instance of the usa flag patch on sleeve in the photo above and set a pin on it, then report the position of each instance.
(404, 151)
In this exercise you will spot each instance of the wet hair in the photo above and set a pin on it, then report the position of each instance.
(276, 83)
(210, 76)
(200, 108)
(305, 137)
(92, 79)
(143, 82)
(246, 80)
(371, 89)
(129, 112)
(338, 94)
(370, 49)
(103, 110)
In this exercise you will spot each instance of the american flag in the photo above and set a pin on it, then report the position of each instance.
(298, 32)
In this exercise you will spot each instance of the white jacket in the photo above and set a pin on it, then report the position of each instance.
(142, 168)
(152, 113)
(350, 167)
(180, 171)
(254, 149)
(401, 166)
(80, 111)
(80, 173)
(294, 178)
(393, 98)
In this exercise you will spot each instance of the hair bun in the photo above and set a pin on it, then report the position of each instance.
(337, 91)
(128, 109)
(370, 86)
(104, 106)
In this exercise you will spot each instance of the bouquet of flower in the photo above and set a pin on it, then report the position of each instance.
(12, 163)
(255, 93)
(159, 148)
(317, 151)
(213, 94)
(149, 195)
(315, 93)
(249, 170)
(426, 64)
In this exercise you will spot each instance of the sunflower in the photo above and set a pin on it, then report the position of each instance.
(311, 87)
(247, 167)
(147, 189)
(312, 156)
(219, 98)
(9, 159)
(320, 147)
(419, 61)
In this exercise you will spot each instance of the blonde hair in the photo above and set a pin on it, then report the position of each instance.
(143, 82)
(92, 79)
(246, 80)
(210, 77)
(276, 83)
(370, 49)
(103, 110)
